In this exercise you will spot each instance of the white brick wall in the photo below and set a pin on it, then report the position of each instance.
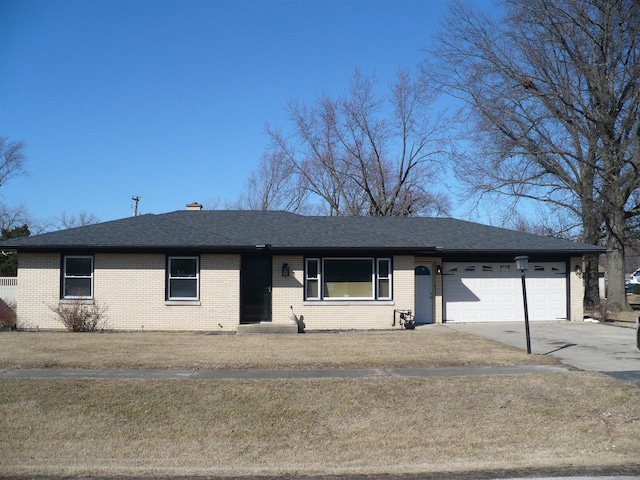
(576, 291)
(287, 291)
(338, 314)
(133, 289)
(38, 289)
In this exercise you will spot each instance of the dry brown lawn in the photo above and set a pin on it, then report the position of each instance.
(433, 347)
(373, 425)
(571, 421)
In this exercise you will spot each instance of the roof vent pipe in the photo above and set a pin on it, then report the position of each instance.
(194, 206)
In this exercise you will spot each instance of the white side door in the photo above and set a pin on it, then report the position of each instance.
(423, 294)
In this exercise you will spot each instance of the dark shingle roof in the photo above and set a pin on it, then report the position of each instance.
(228, 230)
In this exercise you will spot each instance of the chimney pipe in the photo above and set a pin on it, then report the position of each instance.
(194, 206)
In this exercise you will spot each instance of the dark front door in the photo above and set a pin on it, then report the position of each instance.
(255, 289)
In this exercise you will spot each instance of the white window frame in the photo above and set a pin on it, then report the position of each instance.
(308, 279)
(65, 277)
(375, 279)
(170, 278)
(388, 278)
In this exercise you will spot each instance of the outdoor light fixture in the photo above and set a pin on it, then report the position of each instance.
(439, 269)
(285, 269)
(522, 262)
(578, 270)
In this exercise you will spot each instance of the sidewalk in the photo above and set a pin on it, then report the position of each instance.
(81, 374)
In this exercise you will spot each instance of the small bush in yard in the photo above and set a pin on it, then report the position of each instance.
(80, 316)
(7, 315)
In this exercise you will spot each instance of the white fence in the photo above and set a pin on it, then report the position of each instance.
(9, 289)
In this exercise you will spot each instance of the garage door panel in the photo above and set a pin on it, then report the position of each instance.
(463, 291)
(485, 292)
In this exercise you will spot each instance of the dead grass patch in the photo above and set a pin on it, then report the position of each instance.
(435, 347)
(319, 426)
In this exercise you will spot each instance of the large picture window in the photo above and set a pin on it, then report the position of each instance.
(348, 279)
(77, 273)
(183, 278)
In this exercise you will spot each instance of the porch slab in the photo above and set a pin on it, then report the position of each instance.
(267, 327)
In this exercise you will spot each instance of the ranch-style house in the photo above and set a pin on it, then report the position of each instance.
(217, 271)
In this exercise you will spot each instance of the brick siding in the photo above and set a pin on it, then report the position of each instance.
(132, 286)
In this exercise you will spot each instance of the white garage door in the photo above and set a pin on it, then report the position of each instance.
(487, 292)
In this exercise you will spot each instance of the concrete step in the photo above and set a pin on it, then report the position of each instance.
(267, 327)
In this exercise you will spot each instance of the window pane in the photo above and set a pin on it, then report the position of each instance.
(383, 289)
(312, 268)
(78, 266)
(183, 267)
(312, 289)
(183, 288)
(348, 278)
(383, 268)
(348, 270)
(422, 270)
(77, 287)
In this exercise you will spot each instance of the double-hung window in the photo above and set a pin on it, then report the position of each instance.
(183, 278)
(312, 279)
(348, 279)
(77, 277)
(384, 279)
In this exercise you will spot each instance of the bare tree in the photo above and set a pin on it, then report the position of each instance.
(549, 224)
(15, 222)
(14, 216)
(273, 186)
(11, 159)
(358, 155)
(211, 203)
(554, 94)
(64, 220)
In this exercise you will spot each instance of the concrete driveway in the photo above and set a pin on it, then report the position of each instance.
(588, 346)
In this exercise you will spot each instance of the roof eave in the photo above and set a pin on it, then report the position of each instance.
(283, 250)
(213, 249)
(525, 251)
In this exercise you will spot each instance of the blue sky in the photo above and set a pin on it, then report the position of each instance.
(168, 99)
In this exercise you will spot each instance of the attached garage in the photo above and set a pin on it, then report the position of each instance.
(487, 292)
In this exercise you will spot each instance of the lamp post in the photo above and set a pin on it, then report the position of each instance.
(522, 262)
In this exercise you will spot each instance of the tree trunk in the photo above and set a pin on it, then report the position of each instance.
(591, 235)
(591, 286)
(616, 294)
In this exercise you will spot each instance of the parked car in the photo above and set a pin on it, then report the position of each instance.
(630, 282)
